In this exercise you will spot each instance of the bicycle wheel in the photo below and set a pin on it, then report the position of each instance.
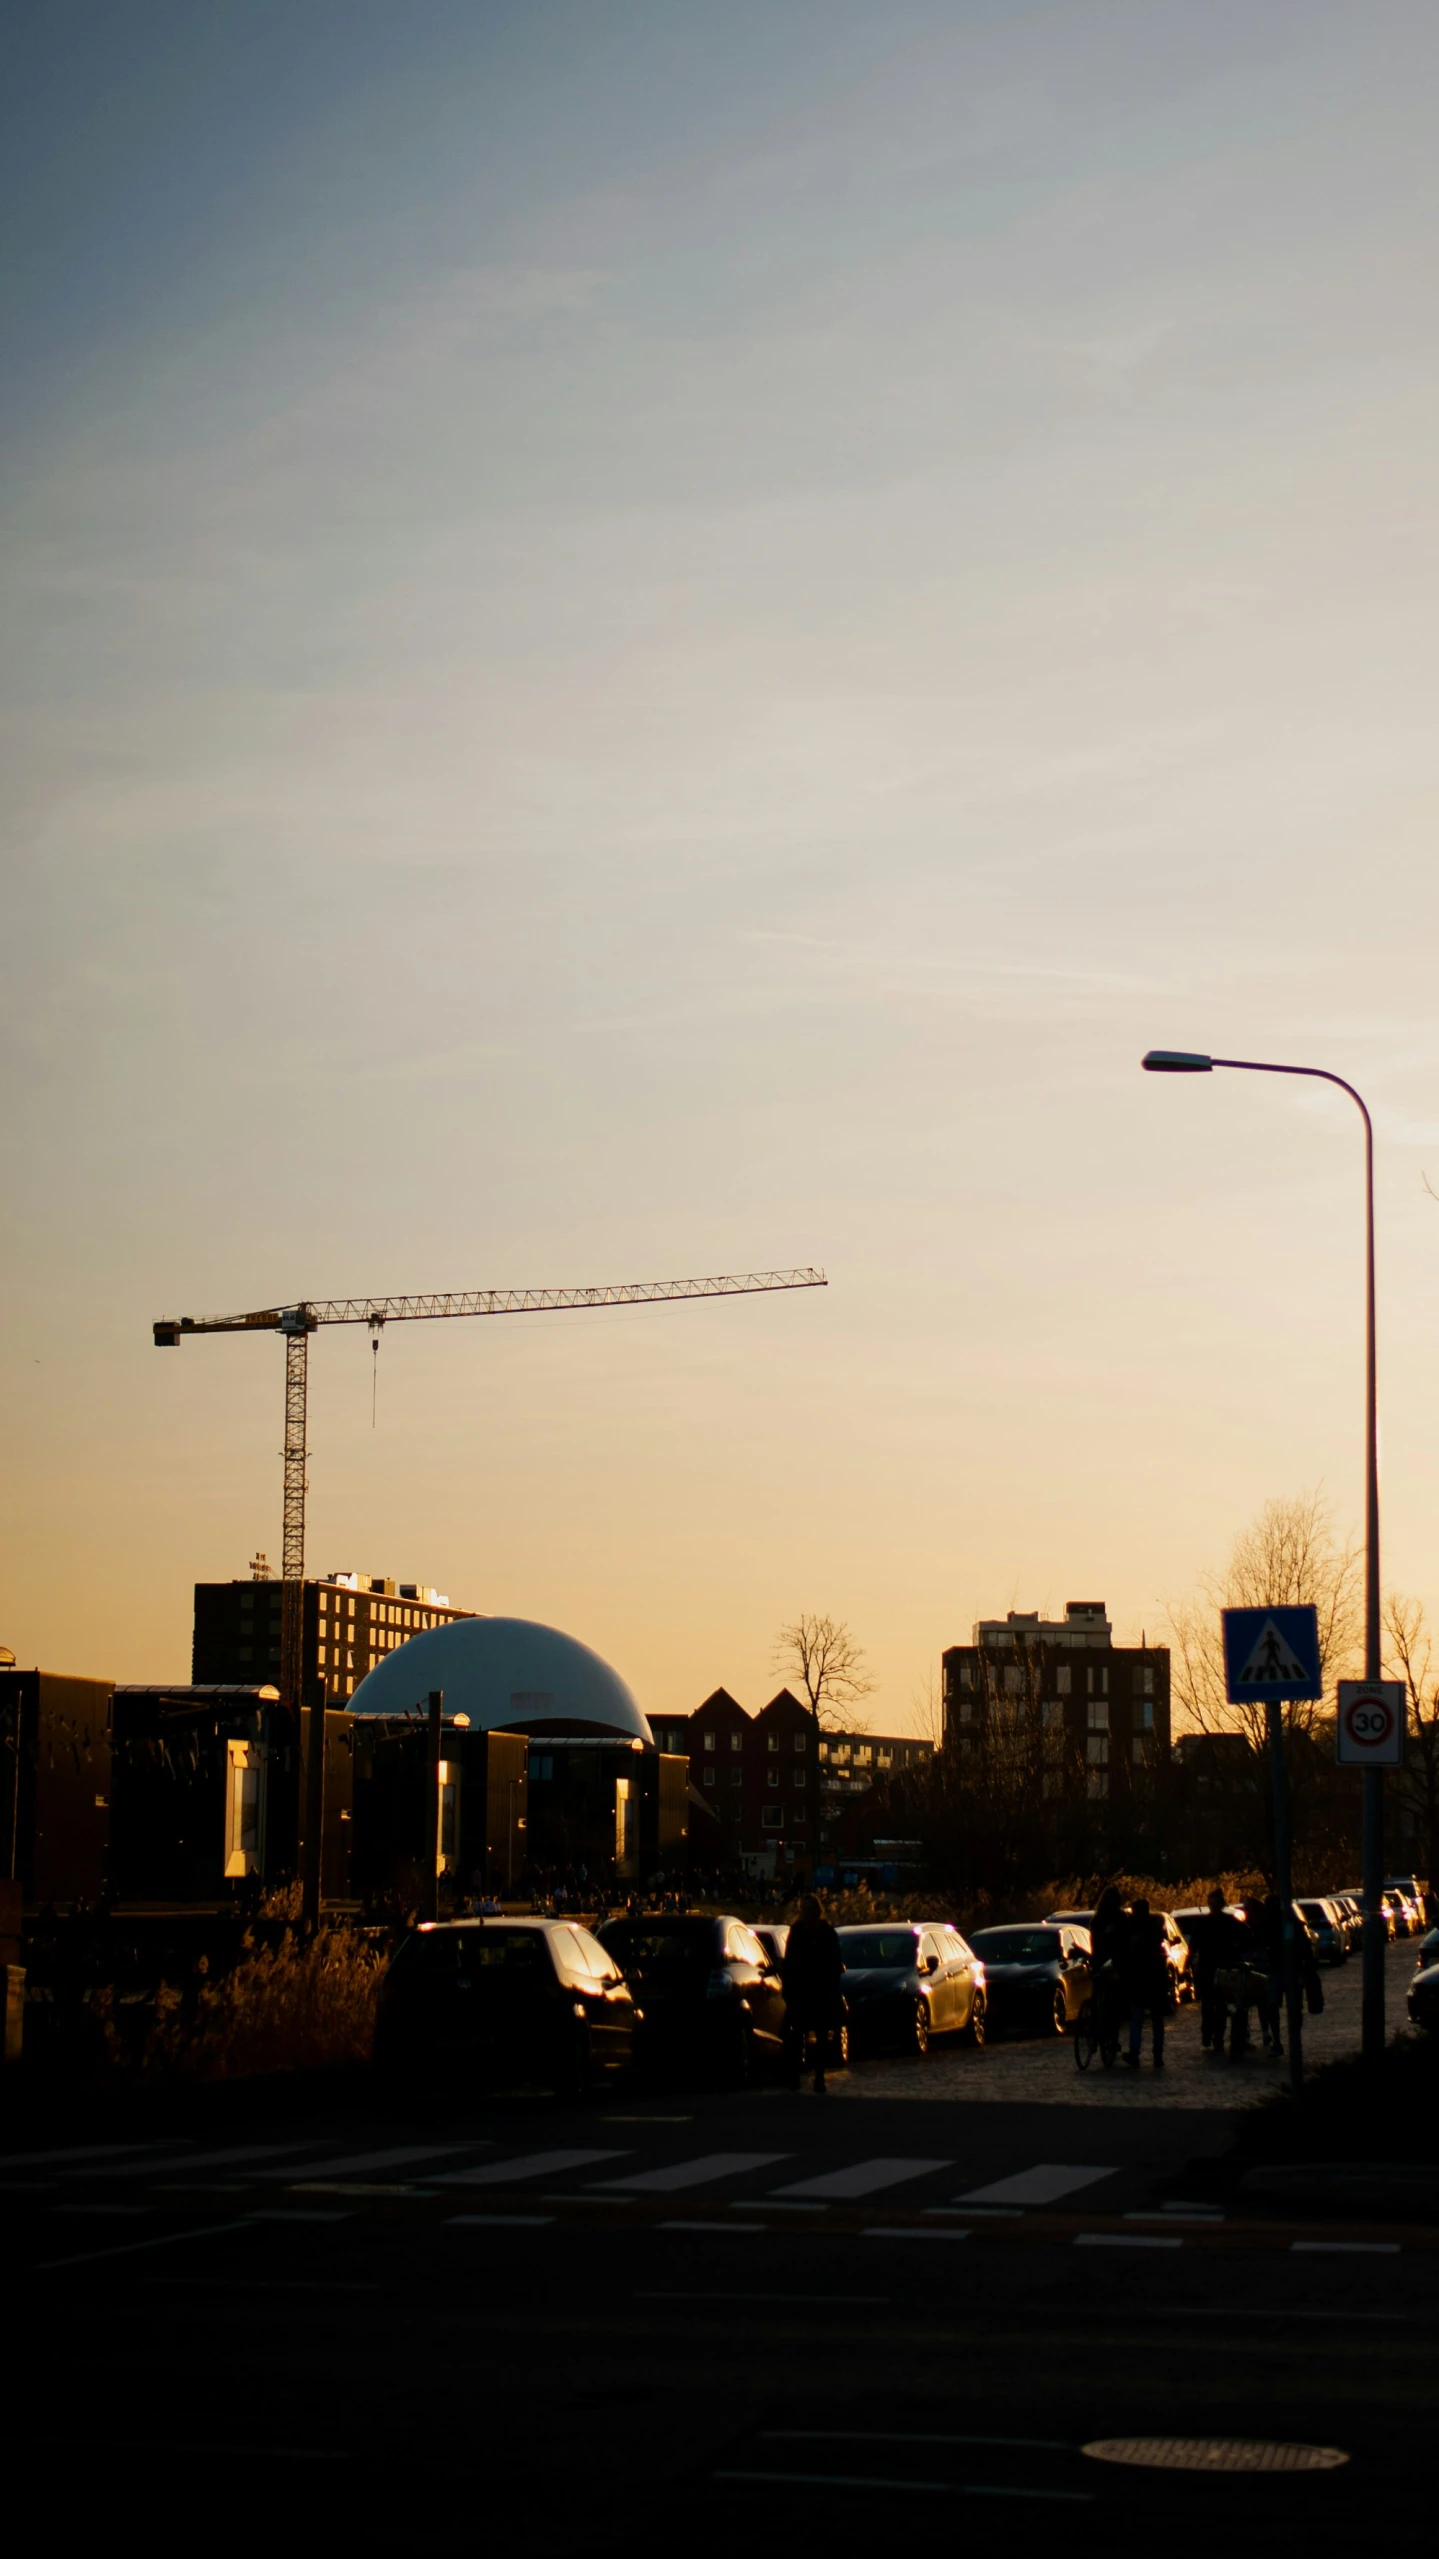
(1086, 2040)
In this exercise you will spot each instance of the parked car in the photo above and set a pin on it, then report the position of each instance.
(1428, 1950)
(1036, 1976)
(1408, 1904)
(1424, 1998)
(711, 1993)
(1069, 1919)
(1326, 1925)
(906, 1981)
(773, 1935)
(533, 1998)
(1352, 1909)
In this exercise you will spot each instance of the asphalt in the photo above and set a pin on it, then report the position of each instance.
(618, 2326)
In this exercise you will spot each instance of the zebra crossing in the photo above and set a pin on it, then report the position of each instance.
(607, 2172)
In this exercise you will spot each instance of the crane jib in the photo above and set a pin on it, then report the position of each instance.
(307, 1315)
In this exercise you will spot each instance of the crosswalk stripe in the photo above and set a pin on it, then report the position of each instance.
(85, 2150)
(193, 2162)
(1042, 2185)
(360, 2161)
(692, 2172)
(533, 2163)
(842, 2185)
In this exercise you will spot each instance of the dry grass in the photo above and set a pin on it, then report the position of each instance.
(303, 2003)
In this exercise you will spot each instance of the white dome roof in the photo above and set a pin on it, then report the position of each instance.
(508, 1675)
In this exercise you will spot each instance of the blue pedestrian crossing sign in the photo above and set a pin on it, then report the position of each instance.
(1271, 1655)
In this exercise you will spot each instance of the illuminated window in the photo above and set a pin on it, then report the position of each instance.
(736, 1741)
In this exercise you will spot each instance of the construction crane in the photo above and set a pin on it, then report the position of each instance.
(298, 1322)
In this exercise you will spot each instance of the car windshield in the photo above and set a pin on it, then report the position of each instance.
(647, 1948)
(467, 1950)
(878, 1949)
(1016, 1945)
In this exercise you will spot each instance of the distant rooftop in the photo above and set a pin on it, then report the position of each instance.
(1085, 1622)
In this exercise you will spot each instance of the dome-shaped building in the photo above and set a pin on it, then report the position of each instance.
(506, 1674)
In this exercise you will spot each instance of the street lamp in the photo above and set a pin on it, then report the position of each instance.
(1170, 1061)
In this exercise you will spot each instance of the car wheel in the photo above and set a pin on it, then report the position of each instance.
(920, 2030)
(974, 2031)
(1060, 2013)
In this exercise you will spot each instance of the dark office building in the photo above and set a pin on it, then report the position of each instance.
(610, 1805)
(55, 1774)
(350, 1622)
(209, 1793)
(1104, 1705)
(482, 1842)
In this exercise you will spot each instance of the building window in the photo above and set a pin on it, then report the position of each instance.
(772, 1816)
(772, 1741)
(801, 1816)
(799, 1777)
(709, 1777)
(1096, 1750)
(773, 1777)
(1146, 1714)
(242, 1809)
(800, 1740)
(1050, 1711)
(966, 1709)
(1098, 1716)
(1096, 1680)
(1097, 1785)
(736, 1741)
(1011, 1679)
(709, 1741)
(1062, 1679)
(735, 1777)
(966, 1674)
(1140, 1754)
(1146, 1680)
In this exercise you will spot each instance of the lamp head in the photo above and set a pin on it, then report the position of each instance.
(1176, 1061)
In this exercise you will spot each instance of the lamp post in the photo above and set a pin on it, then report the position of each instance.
(1162, 1061)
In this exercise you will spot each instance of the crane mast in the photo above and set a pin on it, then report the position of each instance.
(297, 1322)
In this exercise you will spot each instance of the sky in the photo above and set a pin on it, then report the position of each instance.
(647, 640)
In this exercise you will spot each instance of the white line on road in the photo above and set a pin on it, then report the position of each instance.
(361, 2161)
(724, 2229)
(1044, 2184)
(845, 2185)
(532, 2163)
(131, 2247)
(1124, 2239)
(1344, 2247)
(500, 2221)
(200, 2159)
(692, 2172)
(288, 2213)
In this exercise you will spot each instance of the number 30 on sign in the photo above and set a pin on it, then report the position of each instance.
(1370, 1731)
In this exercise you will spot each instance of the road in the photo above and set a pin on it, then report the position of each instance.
(726, 2322)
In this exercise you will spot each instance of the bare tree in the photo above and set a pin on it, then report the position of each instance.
(1289, 1557)
(822, 1655)
(1410, 1650)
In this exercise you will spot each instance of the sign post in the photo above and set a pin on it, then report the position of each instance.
(1271, 1659)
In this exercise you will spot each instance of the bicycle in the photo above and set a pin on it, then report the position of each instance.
(1096, 2029)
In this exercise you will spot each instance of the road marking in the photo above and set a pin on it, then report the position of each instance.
(1124, 2239)
(297, 2212)
(897, 2231)
(762, 2203)
(911, 2487)
(86, 2150)
(105, 2211)
(131, 2247)
(725, 2229)
(1042, 2185)
(202, 2159)
(842, 2185)
(1344, 2247)
(692, 2172)
(992, 2443)
(499, 2221)
(1199, 2220)
(866, 2301)
(361, 2161)
(981, 2212)
(531, 2163)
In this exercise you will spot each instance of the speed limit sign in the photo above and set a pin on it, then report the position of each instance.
(1370, 1732)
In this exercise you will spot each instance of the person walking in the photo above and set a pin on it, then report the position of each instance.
(1146, 1979)
(811, 1972)
(1215, 1952)
(1109, 1945)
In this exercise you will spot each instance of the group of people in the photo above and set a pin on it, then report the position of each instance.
(1238, 1959)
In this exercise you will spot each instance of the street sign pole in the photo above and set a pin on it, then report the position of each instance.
(1284, 1887)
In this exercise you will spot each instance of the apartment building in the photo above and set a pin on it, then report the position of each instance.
(1105, 1705)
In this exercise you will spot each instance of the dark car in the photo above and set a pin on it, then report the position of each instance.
(908, 1980)
(512, 1998)
(773, 1935)
(1424, 1998)
(1035, 1977)
(1326, 1926)
(711, 1994)
(1428, 1950)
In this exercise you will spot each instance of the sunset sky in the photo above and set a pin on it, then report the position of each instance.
(647, 638)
